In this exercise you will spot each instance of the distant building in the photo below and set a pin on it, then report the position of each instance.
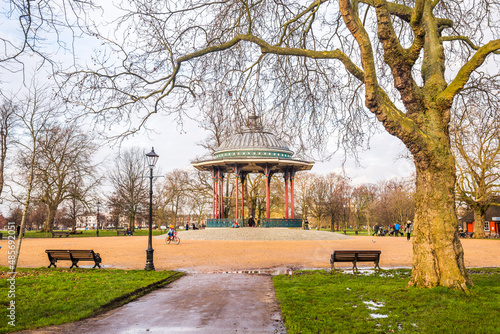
(491, 223)
(89, 221)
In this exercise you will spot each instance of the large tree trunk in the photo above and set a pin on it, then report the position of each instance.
(49, 222)
(438, 257)
(479, 218)
(131, 223)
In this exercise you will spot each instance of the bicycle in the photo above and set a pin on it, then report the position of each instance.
(175, 239)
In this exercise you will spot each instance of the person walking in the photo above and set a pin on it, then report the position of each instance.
(408, 229)
(396, 229)
(251, 222)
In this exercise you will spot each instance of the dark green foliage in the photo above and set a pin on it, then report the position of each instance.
(320, 302)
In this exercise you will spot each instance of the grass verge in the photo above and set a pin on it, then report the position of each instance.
(320, 302)
(45, 297)
(88, 233)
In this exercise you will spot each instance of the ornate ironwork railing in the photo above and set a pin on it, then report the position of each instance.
(275, 222)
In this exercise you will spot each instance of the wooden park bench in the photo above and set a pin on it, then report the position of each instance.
(356, 256)
(123, 232)
(59, 233)
(74, 256)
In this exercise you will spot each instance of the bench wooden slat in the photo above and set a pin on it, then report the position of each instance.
(356, 256)
(59, 234)
(73, 255)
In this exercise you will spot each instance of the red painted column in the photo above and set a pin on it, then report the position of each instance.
(286, 194)
(213, 193)
(221, 196)
(267, 173)
(237, 197)
(243, 197)
(268, 198)
(217, 206)
(292, 192)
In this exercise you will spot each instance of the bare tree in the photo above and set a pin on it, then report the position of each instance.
(41, 25)
(363, 197)
(174, 192)
(7, 122)
(129, 184)
(34, 116)
(336, 193)
(200, 194)
(395, 202)
(64, 167)
(37, 216)
(319, 198)
(303, 193)
(309, 68)
(476, 143)
(79, 198)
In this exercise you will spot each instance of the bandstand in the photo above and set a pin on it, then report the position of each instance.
(252, 150)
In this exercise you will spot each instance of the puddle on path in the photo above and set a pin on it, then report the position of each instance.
(276, 271)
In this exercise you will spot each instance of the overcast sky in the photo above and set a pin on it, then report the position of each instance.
(178, 150)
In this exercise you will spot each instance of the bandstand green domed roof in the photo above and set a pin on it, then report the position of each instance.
(252, 149)
(253, 143)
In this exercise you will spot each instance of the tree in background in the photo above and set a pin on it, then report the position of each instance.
(255, 195)
(475, 134)
(128, 180)
(63, 167)
(363, 197)
(337, 186)
(319, 199)
(78, 201)
(200, 194)
(37, 215)
(35, 114)
(395, 203)
(303, 193)
(16, 215)
(7, 123)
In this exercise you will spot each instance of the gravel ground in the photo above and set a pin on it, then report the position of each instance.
(258, 234)
(280, 250)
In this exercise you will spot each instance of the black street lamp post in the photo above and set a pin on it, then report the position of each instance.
(152, 158)
(97, 231)
(345, 221)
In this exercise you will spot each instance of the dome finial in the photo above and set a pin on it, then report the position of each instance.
(253, 123)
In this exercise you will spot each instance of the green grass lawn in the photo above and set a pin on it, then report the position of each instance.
(45, 297)
(319, 302)
(89, 233)
(349, 231)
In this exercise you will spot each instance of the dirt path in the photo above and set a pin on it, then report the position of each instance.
(205, 256)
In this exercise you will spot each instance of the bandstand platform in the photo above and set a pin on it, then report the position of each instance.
(277, 222)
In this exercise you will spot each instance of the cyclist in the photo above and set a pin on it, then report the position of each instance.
(171, 231)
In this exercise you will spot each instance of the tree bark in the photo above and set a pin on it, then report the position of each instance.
(49, 222)
(479, 219)
(438, 257)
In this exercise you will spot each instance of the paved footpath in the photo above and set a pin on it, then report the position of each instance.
(196, 303)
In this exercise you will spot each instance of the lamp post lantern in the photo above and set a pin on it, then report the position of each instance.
(97, 224)
(152, 157)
